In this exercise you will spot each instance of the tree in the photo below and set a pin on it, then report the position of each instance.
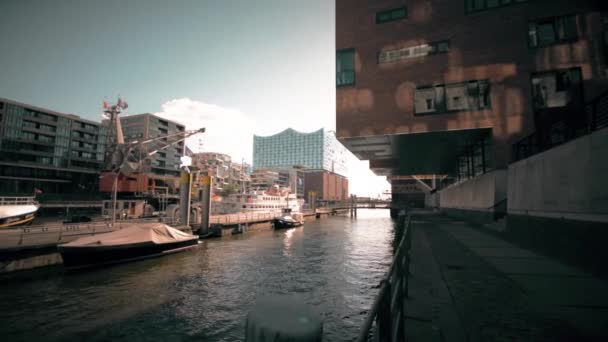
(229, 190)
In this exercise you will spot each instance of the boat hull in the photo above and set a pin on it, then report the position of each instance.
(285, 224)
(19, 220)
(78, 257)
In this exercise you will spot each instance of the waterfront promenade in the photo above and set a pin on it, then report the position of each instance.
(467, 284)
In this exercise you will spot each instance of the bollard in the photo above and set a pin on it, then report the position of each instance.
(185, 196)
(283, 318)
(205, 203)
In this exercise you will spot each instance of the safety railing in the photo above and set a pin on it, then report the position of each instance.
(241, 218)
(50, 234)
(17, 200)
(42, 235)
(595, 118)
(386, 320)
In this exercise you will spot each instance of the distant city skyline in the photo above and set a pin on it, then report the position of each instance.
(235, 67)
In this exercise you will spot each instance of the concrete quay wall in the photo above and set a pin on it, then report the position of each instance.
(567, 182)
(478, 199)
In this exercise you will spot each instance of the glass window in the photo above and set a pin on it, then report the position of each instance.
(391, 15)
(478, 5)
(545, 33)
(457, 96)
(473, 95)
(555, 88)
(28, 136)
(345, 67)
(413, 51)
(425, 100)
(29, 124)
(553, 30)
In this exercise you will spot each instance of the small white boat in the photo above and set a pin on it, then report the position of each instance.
(15, 211)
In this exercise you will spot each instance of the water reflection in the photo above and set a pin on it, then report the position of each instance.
(205, 294)
(287, 240)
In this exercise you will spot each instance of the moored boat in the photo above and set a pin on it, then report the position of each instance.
(288, 220)
(137, 241)
(269, 201)
(16, 211)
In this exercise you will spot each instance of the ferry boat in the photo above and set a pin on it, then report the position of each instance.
(15, 211)
(273, 200)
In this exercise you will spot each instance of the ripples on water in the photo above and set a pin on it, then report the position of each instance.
(205, 294)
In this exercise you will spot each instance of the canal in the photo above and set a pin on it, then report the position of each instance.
(333, 264)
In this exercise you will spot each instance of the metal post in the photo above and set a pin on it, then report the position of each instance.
(114, 190)
(185, 196)
(205, 203)
(355, 205)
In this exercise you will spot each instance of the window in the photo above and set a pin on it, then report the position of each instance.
(28, 136)
(391, 15)
(45, 160)
(345, 67)
(29, 124)
(552, 31)
(480, 5)
(45, 138)
(472, 95)
(555, 88)
(414, 51)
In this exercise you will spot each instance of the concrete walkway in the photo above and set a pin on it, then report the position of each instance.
(468, 285)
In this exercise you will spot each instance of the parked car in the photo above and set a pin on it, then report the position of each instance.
(78, 219)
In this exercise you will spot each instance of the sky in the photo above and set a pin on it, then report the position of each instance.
(236, 67)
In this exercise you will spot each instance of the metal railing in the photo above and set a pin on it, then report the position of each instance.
(37, 236)
(386, 320)
(596, 117)
(17, 200)
(43, 235)
(241, 218)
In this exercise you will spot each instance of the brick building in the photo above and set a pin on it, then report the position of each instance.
(451, 87)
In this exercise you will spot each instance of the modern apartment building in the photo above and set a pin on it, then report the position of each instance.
(318, 150)
(48, 150)
(224, 172)
(262, 179)
(451, 87)
(147, 126)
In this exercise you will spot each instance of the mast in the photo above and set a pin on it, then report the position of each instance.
(114, 146)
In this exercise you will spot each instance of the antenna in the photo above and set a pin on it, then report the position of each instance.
(200, 145)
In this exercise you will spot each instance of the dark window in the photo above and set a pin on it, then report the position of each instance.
(345, 67)
(29, 124)
(480, 5)
(552, 31)
(556, 88)
(439, 47)
(472, 95)
(391, 15)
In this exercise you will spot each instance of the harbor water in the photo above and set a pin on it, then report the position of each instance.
(333, 264)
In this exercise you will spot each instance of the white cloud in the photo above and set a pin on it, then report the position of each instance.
(231, 131)
(227, 130)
